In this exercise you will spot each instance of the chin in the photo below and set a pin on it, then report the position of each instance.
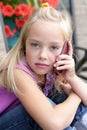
(41, 72)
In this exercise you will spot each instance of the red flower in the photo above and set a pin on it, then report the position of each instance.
(52, 3)
(20, 23)
(18, 13)
(7, 10)
(22, 10)
(7, 30)
(1, 5)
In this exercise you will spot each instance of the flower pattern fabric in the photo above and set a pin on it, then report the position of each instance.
(50, 80)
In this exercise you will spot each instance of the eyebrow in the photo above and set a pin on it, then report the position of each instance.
(57, 43)
(33, 40)
(53, 42)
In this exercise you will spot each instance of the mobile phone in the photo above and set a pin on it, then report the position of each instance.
(65, 50)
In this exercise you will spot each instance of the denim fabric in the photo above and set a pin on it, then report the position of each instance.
(17, 119)
(80, 120)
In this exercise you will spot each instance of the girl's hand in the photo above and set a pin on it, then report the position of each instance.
(66, 87)
(62, 85)
(65, 63)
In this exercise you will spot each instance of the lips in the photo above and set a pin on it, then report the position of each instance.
(41, 65)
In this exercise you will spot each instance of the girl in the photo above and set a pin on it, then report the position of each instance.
(27, 78)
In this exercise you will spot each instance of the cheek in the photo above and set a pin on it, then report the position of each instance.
(29, 55)
(55, 56)
(58, 53)
(52, 59)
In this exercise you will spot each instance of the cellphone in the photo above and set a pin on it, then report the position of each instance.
(65, 50)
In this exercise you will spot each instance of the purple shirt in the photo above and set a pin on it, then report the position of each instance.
(8, 100)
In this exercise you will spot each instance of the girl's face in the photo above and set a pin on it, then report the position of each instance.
(43, 45)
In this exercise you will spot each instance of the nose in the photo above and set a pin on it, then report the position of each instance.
(43, 54)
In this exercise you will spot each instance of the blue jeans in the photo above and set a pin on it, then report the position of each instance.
(80, 119)
(18, 119)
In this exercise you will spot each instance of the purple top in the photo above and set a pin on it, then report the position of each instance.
(8, 99)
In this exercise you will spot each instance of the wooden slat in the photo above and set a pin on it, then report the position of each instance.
(2, 44)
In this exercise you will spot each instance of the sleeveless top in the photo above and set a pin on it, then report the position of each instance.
(8, 100)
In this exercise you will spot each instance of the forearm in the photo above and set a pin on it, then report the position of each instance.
(80, 87)
(68, 109)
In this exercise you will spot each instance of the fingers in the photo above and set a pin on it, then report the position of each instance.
(66, 87)
(64, 62)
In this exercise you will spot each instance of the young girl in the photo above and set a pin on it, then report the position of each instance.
(27, 77)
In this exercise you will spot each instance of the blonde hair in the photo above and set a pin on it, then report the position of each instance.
(13, 57)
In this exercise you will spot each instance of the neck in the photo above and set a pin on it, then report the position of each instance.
(41, 80)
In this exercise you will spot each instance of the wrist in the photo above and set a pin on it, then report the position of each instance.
(72, 78)
(76, 97)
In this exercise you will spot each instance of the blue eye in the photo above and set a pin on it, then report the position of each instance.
(54, 48)
(36, 45)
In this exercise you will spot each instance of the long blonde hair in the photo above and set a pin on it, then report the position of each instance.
(8, 63)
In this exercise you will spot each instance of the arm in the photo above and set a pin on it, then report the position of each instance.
(80, 87)
(37, 105)
(67, 65)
